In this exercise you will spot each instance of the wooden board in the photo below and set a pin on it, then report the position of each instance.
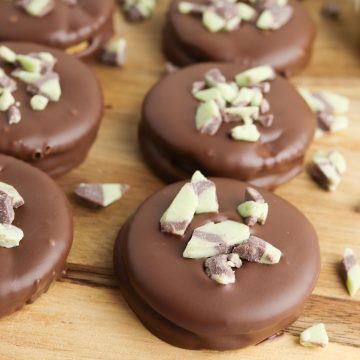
(85, 316)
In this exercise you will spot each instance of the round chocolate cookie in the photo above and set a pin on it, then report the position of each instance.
(43, 215)
(175, 148)
(80, 27)
(176, 300)
(55, 138)
(285, 44)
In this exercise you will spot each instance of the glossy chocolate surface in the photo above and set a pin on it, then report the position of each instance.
(65, 26)
(57, 139)
(178, 302)
(175, 149)
(29, 269)
(287, 49)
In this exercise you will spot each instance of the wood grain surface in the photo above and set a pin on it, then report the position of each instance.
(85, 317)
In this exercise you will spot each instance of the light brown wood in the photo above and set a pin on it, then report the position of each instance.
(85, 317)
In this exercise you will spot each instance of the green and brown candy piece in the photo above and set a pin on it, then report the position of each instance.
(219, 268)
(350, 271)
(100, 195)
(255, 249)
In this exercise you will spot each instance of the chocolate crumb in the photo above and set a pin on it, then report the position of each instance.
(7, 213)
(219, 270)
(251, 250)
(253, 195)
(14, 115)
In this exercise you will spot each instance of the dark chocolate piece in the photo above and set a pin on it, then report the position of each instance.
(288, 49)
(46, 222)
(33, 8)
(174, 149)
(174, 298)
(53, 139)
(100, 194)
(81, 27)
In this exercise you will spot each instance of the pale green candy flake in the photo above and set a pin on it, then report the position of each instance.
(232, 24)
(315, 104)
(247, 132)
(271, 256)
(339, 123)
(339, 104)
(244, 96)
(265, 21)
(352, 271)
(254, 209)
(51, 89)
(255, 75)
(181, 211)
(210, 94)
(314, 336)
(203, 245)
(338, 160)
(228, 91)
(29, 63)
(185, 7)
(257, 98)
(6, 100)
(212, 21)
(206, 112)
(7, 54)
(247, 113)
(111, 193)
(10, 236)
(116, 45)
(208, 202)
(246, 12)
(26, 77)
(37, 7)
(47, 57)
(39, 102)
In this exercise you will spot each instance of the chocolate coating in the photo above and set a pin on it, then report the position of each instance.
(57, 139)
(175, 299)
(175, 149)
(288, 49)
(29, 269)
(64, 27)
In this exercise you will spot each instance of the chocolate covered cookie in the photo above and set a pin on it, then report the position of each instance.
(79, 27)
(228, 121)
(279, 33)
(221, 266)
(36, 233)
(50, 107)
